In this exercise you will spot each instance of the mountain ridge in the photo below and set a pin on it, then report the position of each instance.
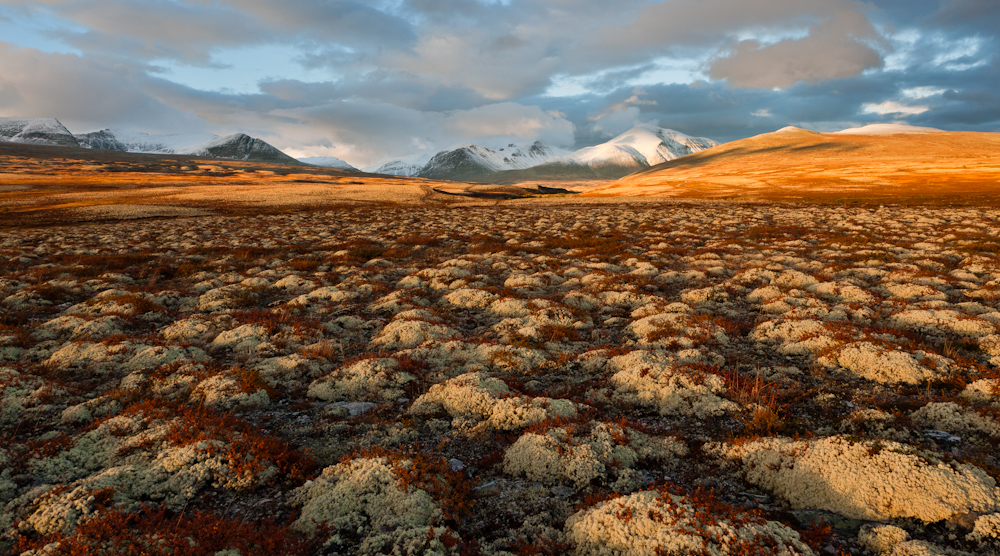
(640, 147)
(238, 146)
(36, 131)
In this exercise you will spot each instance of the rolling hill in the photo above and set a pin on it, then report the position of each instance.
(877, 162)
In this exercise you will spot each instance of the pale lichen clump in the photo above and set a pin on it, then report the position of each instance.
(675, 330)
(479, 397)
(794, 337)
(881, 538)
(950, 417)
(601, 451)
(653, 522)
(924, 548)
(363, 497)
(452, 358)
(658, 380)
(225, 392)
(367, 380)
(405, 333)
(986, 529)
(942, 322)
(870, 361)
(863, 479)
(986, 390)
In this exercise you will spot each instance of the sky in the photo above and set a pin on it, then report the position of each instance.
(372, 81)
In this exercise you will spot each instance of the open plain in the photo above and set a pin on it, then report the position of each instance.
(232, 358)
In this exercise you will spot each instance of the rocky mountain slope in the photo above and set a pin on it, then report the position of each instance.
(238, 146)
(640, 147)
(36, 131)
(327, 162)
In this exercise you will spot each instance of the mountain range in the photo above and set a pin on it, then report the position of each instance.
(49, 131)
(238, 146)
(640, 147)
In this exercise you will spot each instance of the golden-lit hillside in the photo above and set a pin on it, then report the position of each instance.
(795, 163)
(46, 185)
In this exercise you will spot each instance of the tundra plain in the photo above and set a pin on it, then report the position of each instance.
(455, 373)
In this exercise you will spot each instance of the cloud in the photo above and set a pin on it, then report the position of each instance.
(370, 132)
(84, 94)
(364, 132)
(893, 107)
(832, 50)
(922, 92)
(618, 121)
(392, 77)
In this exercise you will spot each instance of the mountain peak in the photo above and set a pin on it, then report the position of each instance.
(327, 162)
(37, 131)
(640, 147)
(238, 146)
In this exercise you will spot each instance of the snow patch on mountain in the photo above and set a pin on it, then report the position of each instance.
(36, 131)
(238, 146)
(475, 161)
(468, 161)
(408, 166)
(129, 140)
(327, 162)
(642, 146)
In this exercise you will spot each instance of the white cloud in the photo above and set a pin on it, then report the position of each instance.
(618, 121)
(762, 113)
(84, 94)
(363, 133)
(922, 92)
(893, 107)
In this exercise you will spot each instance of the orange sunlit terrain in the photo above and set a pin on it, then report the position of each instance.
(798, 164)
(40, 184)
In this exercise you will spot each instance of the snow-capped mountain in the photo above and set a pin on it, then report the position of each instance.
(472, 162)
(408, 166)
(640, 147)
(238, 146)
(327, 162)
(468, 162)
(36, 131)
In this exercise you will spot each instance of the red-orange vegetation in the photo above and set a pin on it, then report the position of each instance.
(246, 450)
(158, 532)
(430, 473)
